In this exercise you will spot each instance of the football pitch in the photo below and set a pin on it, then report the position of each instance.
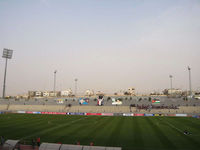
(139, 133)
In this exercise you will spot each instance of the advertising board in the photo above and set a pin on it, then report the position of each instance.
(44, 112)
(21, 112)
(138, 114)
(72, 113)
(94, 114)
(35, 112)
(181, 115)
(49, 113)
(171, 115)
(148, 114)
(60, 113)
(195, 116)
(107, 114)
(118, 114)
(128, 114)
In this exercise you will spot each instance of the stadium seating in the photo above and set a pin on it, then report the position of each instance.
(3, 107)
(97, 109)
(191, 106)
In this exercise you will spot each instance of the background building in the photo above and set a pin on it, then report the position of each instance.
(131, 91)
(46, 94)
(89, 93)
(172, 92)
(66, 93)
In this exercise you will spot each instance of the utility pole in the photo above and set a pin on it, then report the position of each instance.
(54, 87)
(7, 54)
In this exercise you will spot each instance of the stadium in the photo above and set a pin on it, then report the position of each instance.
(100, 75)
(101, 123)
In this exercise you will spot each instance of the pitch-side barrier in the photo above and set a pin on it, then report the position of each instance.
(102, 114)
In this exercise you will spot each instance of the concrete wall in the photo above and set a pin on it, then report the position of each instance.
(97, 109)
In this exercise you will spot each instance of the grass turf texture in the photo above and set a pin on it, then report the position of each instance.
(141, 133)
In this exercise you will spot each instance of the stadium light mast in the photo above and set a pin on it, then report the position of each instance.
(170, 76)
(190, 85)
(7, 54)
(75, 86)
(54, 86)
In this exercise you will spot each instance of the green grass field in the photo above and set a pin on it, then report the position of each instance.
(140, 133)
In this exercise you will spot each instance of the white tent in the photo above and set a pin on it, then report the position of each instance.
(49, 146)
(71, 147)
(10, 144)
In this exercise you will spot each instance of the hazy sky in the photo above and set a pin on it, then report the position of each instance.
(107, 44)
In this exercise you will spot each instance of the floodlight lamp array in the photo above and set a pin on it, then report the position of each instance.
(7, 53)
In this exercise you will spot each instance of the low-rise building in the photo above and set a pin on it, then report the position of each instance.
(66, 93)
(99, 93)
(31, 93)
(131, 91)
(52, 94)
(89, 93)
(38, 94)
(46, 94)
(175, 91)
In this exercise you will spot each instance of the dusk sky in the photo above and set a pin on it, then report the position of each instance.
(109, 45)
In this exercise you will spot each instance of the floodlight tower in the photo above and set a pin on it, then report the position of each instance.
(54, 86)
(190, 85)
(7, 54)
(75, 86)
(170, 76)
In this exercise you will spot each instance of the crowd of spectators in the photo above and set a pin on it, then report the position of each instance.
(149, 107)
